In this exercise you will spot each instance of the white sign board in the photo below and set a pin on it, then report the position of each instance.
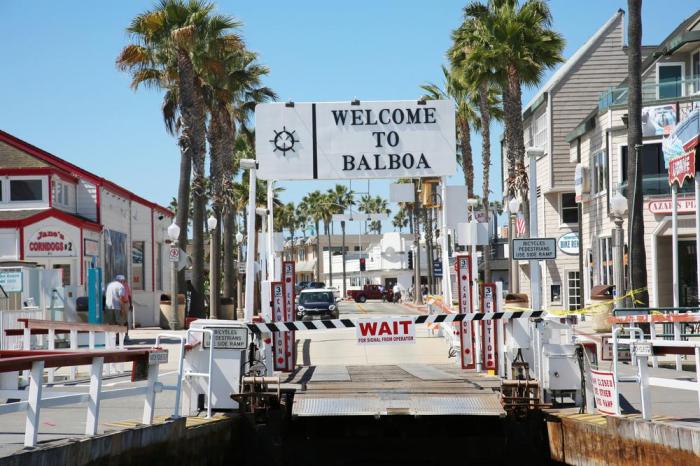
(488, 304)
(342, 140)
(385, 331)
(157, 357)
(605, 392)
(11, 280)
(401, 192)
(51, 241)
(228, 338)
(534, 249)
(174, 254)
(642, 349)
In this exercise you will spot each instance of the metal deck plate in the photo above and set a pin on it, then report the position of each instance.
(385, 404)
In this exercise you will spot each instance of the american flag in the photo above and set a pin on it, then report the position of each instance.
(520, 224)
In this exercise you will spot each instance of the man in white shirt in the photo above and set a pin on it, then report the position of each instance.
(115, 299)
(397, 293)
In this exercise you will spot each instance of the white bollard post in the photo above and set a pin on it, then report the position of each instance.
(149, 405)
(52, 346)
(93, 410)
(644, 387)
(73, 347)
(36, 380)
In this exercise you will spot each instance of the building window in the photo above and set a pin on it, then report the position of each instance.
(569, 208)
(540, 131)
(159, 266)
(138, 265)
(65, 273)
(573, 286)
(555, 293)
(25, 190)
(654, 171)
(605, 257)
(599, 173)
(669, 79)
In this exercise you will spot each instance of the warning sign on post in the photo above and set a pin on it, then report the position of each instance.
(385, 331)
(605, 392)
(466, 329)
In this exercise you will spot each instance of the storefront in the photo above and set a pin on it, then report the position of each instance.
(64, 218)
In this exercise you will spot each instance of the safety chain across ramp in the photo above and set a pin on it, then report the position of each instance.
(426, 319)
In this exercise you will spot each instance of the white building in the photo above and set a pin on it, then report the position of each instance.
(63, 217)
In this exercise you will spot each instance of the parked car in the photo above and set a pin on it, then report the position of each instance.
(317, 303)
(316, 285)
(371, 292)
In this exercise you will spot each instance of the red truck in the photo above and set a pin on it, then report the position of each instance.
(371, 292)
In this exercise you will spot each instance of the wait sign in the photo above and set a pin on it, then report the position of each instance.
(385, 331)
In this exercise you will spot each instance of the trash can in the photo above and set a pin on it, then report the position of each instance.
(601, 299)
(82, 304)
(226, 308)
(516, 300)
(169, 319)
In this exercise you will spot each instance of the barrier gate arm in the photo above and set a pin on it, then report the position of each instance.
(331, 324)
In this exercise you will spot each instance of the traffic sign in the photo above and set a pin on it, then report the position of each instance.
(174, 254)
(534, 249)
(437, 268)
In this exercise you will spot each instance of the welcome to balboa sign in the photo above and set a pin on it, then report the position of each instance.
(340, 140)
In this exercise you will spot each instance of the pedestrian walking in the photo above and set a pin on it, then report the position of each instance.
(116, 300)
(397, 293)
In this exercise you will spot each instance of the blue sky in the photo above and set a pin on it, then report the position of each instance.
(60, 90)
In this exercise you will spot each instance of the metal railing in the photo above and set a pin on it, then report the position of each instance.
(645, 381)
(204, 375)
(666, 91)
(37, 361)
(674, 320)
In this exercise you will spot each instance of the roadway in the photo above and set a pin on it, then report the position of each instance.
(339, 346)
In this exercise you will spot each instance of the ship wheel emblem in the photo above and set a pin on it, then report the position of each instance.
(284, 141)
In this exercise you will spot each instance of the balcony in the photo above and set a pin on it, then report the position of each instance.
(657, 93)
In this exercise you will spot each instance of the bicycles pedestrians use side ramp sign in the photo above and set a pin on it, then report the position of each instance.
(534, 249)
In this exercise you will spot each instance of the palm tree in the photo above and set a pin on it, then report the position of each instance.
(343, 198)
(515, 39)
(378, 206)
(311, 206)
(326, 208)
(466, 117)
(637, 251)
(400, 220)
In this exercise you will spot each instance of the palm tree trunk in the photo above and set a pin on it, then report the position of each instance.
(342, 227)
(427, 226)
(486, 165)
(330, 256)
(193, 120)
(229, 213)
(183, 202)
(418, 296)
(512, 110)
(216, 167)
(465, 141)
(635, 197)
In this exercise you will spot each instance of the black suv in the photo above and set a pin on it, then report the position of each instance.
(317, 303)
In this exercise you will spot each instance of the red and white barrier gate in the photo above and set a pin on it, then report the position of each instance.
(288, 279)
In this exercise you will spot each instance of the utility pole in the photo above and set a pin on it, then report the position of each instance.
(417, 294)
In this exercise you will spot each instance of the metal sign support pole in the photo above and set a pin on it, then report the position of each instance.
(250, 249)
(674, 254)
(271, 272)
(446, 285)
(535, 272)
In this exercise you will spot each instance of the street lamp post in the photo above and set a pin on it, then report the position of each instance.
(213, 275)
(513, 208)
(252, 166)
(173, 322)
(237, 272)
(472, 204)
(618, 208)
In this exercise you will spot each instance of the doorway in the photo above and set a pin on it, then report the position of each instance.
(687, 274)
